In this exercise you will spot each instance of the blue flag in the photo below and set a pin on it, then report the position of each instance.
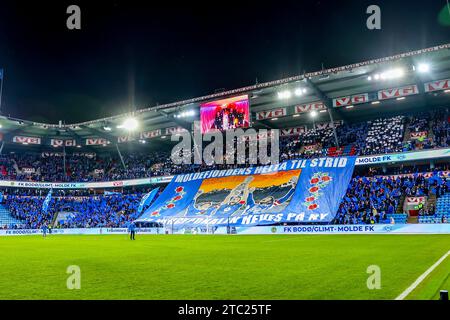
(147, 199)
(1, 73)
(47, 201)
(1, 197)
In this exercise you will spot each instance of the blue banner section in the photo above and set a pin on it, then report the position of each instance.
(292, 191)
(147, 199)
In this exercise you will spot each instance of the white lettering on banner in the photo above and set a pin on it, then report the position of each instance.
(311, 147)
(28, 170)
(438, 85)
(327, 125)
(442, 228)
(122, 139)
(175, 130)
(417, 135)
(350, 100)
(84, 185)
(150, 134)
(62, 142)
(415, 200)
(397, 92)
(343, 229)
(26, 140)
(313, 106)
(293, 131)
(96, 142)
(281, 112)
(326, 162)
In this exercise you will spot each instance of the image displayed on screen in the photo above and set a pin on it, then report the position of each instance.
(243, 195)
(225, 114)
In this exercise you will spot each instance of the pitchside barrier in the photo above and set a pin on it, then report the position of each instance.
(75, 231)
(443, 228)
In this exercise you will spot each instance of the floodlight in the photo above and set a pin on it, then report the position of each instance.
(129, 124)
(423, 67)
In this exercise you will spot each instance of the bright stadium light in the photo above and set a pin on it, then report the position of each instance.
(299, 92)
(401, 98)
(286, 94)
(1, 126)
(313, 113)
(369, 78)
(296, 115)
(106, 128)
(375, 102)
(423, 67)
(392, 74)
(129, 124)
(184, 114)
(274, 119)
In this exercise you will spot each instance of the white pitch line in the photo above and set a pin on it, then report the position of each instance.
(405, 293)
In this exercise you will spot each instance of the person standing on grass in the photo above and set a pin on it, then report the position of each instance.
(44, 230)
(132, 230)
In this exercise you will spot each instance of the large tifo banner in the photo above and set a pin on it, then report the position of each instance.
(292, 191)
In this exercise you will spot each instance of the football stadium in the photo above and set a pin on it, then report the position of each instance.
(330, 185)
(363, 179)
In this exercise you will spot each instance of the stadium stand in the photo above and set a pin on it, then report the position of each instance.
(378, 136)
(442, 213)
(91, 211)
(384, 136)
(7, 220)
(377, 199)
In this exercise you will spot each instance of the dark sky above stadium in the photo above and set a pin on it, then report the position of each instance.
(132, 54)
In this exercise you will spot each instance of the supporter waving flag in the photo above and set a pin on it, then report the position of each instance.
(147, 199)
(46, 202)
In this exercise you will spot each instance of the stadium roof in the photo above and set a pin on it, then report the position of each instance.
(322, 86)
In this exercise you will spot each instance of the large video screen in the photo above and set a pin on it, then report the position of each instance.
(225, 114)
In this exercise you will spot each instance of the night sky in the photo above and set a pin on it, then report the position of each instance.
(134, 55)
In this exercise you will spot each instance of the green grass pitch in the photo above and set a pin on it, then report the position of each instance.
(221, 267)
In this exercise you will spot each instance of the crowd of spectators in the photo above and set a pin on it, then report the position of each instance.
(370, 200)
(379, 136)
(115, 210)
